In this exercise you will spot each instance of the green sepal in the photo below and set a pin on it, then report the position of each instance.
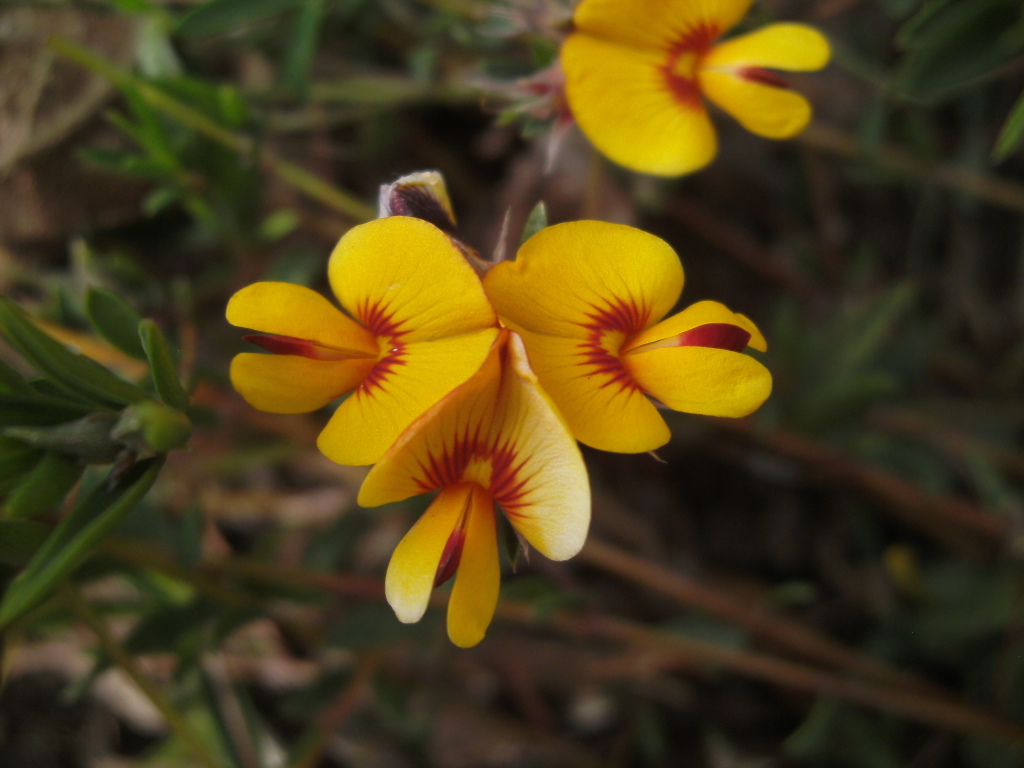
(76, 535)
(162, 368)
(44, 487)
(71, 371)
(87, 438)
(115, 321)
(149, 428)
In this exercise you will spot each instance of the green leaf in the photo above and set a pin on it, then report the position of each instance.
(115, 321)
(219, 16)
(76, 535)
(16, 458)
(44, 487)
(37, 409)
(1012, 133)
(71, 371)
(165, 376)
(20, 539)
(12, 382)
(537, 220)
(302, 46)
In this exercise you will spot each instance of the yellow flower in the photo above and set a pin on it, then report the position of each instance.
(417, 325)
(494, 440)
(586, 297)
(637, 71)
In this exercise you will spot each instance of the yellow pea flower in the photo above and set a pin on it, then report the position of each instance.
(637, 73)
(494, 440)
(586, 297)
(417, 325)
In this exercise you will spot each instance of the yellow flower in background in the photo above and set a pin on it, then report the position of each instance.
(495, 440)
(586, 297)
(417, 325)
(637, 73)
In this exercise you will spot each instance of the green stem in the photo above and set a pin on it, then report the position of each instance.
(289, 172)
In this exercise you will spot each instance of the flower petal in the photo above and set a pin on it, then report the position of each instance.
(704, 380)
(701, 313)
(410, 577)
(767, 110)
(574, 279)
(792, 47)
(293, 384)
(285, 309)
(475, 593)
(404, 384)
(656, 23)
(624, 102)
(403, 277)
(602, 405)
(500, 431)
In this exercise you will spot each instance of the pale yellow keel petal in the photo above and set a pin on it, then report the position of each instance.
(292, 384)
(413, 567)
(622, 100)
(285, 309)
(711, 382)
(475, 592)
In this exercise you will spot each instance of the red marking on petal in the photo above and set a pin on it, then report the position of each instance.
(289, 345)
(382, 324)
(622, 316)
(694, 43)
(715, 335)
(763, 77)
(451, 555)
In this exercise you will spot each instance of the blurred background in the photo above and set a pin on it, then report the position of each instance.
(836, 581)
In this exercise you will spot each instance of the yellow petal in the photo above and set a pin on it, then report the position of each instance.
(403, 277)
(624, 102)
(583, 277)
(475, 593)
(701, 313)
(602, 405)
(294, 310)
(792, 47)
(712, 382)
(403, 385)
(413, 566)
(769, 111)
(500, 431)
(292, 384)
(657, 23)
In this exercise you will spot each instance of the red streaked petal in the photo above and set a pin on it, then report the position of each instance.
(289, 345)
(451, 555)
(292, 383)
(475, 592)
(714, 335)
(694, 316)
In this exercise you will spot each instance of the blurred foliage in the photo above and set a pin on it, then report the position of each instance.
(877, 500)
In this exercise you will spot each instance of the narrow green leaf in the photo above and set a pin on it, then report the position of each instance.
(43, 488)
(16, 458)
(38, 410)
(302, 46)
(162, 368)
(20, 539)
(219, 16)
(90, 520)
(1011, 134)
(115, 321)
(70, 370)
(537, 221)
(12, 382)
